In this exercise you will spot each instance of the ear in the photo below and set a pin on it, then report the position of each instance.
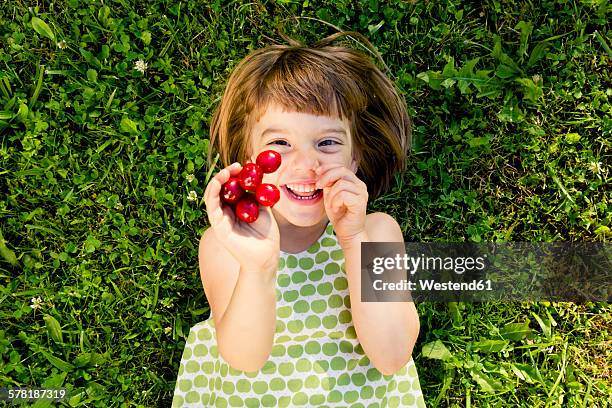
(354, 165)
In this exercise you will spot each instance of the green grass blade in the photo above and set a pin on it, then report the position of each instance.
(40, 72)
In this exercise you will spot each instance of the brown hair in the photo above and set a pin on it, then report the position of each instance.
(324, 80)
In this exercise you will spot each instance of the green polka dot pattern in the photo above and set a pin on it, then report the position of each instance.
(316, 358)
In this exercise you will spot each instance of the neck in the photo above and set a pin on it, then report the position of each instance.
(295, 239)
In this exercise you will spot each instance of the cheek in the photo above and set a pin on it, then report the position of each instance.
(343, 158)
(339, 157)
(270, 179)
(274, 178)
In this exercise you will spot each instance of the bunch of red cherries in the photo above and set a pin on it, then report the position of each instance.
(246, 192)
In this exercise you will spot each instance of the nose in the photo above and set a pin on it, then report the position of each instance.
(305, 160)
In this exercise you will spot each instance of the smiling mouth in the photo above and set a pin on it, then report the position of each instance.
(311, 195)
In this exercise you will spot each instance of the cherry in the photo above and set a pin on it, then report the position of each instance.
(267, 195)
(247, 209)
(269, 161)
(250, 176)
(231, 191)
(238, 190)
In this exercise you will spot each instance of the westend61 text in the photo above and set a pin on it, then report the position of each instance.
(429, 285)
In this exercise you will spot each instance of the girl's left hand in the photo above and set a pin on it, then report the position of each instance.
(346, 198)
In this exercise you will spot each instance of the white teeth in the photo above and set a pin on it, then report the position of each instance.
(302, 188)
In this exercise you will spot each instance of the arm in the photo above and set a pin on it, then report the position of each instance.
(243, 305)
(387, 331)
(238, 263)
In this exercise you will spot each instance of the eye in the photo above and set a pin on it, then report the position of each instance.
(279, 142)
(329, 142)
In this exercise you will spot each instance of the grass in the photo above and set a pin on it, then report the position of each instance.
(512, 110)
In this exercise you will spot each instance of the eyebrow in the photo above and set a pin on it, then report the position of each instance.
(279, 130)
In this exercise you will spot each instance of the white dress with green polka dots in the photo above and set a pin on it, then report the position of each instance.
(316, 358)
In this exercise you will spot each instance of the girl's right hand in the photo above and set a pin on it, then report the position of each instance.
(256, 246)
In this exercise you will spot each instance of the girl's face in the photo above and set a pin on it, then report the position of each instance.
(305, 142)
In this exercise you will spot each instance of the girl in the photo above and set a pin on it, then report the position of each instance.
(287, 325)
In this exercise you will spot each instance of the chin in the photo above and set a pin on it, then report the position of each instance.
(302, 222)
(301, 218)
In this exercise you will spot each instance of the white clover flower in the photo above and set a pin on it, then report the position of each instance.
(61, 45)
(168, 330)
(36, 303)
(141, 66)
(192, 196)
(190, 178)
(595, 167)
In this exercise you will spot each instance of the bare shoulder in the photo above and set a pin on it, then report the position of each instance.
(218, 272)
(382, 227)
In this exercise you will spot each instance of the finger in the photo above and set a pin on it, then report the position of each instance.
(223, 221)
(214, 214)
(228, 220)
(347, 185)
(212, 197)
(212, 192)
(230, 171)
(217, 211)
(213, 202)
(331, 175)
(215, 184)
(332, 207)
(343, 185)
(264, 223)
(327, 198)
(348, 195)
(339, 198)
(325, 167)
(234, 168)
